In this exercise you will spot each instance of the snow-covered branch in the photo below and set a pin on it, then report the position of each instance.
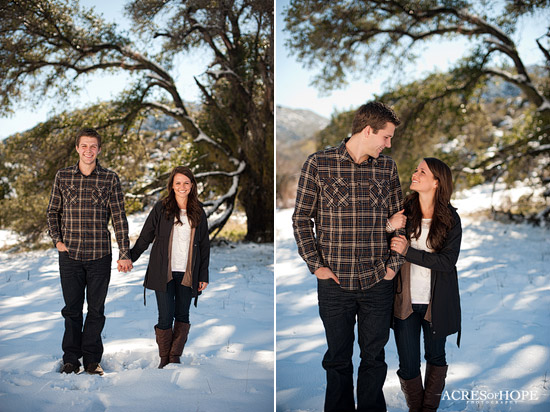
(218, 74)
(240, 169)
(228, 199)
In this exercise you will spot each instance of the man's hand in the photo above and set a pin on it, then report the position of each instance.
(326, 273)
(399, 244)
(390, 274)
(202, 286)
(61, 247)
(124, 265)
(398, 220)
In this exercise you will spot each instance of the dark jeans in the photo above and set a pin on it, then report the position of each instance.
(174, 303)
(339, 309)
(407, 340)
(79, 278)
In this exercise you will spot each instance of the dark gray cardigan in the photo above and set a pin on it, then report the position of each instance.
(157, 230)
(445, 298)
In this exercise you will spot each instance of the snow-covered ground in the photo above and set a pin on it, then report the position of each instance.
(227, 364)
(504, 276)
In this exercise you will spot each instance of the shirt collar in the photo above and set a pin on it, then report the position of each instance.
(345, 156)
(76, 169)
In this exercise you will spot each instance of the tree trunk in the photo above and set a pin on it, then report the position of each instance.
(256, 196)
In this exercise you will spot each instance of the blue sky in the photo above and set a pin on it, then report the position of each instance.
(292, 80)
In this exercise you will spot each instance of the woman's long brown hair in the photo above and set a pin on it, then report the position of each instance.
(442, 219)
(171, 208)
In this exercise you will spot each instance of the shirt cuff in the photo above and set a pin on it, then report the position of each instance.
(395, 262)
(124, 255)
(313, 266)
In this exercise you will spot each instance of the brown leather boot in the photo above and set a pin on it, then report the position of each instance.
(164, 342)
(433, 386)
(181, 331)
(414, 392)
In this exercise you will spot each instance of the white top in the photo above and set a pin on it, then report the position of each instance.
(180, 243)
(421, 276)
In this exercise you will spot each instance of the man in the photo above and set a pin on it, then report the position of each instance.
(83, 198)
(348, 193)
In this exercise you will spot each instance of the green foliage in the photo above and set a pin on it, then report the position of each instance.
(30, 160)
(446, 114)
(48, 45)
(77, 39)
(481, 139)
(518, 8)
(341, 38)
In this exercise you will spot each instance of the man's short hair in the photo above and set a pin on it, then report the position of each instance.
(375, 115)
(89, 132)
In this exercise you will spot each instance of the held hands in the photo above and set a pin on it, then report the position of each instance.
(399, 244)
(124, 265)
(398, 220)
(326, 273)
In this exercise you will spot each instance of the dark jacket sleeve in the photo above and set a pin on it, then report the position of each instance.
(204, 246)
(148, 233)
(445, 259)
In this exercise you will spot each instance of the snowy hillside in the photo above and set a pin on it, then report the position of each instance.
(504, 276)
(227, 363)
(297, 124)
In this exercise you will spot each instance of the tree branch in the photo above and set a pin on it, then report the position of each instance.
(523, 83)
(544, 51)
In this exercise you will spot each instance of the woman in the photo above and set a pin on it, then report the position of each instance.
(427, 295)
(178, 265)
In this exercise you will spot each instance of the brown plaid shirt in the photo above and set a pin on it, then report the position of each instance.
(79, 211)
(349, 205)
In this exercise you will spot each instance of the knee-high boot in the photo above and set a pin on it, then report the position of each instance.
(181, 331)
(433, 386)
(414, 392)
(164, 342)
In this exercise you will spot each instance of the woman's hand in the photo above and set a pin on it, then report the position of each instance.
(398, 220)
(202, 286)
(399, 244)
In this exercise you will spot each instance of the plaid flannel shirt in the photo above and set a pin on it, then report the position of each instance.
(349, 205)
(79, 211)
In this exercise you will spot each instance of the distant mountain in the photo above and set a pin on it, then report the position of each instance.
(294, 125)
(295, 131)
